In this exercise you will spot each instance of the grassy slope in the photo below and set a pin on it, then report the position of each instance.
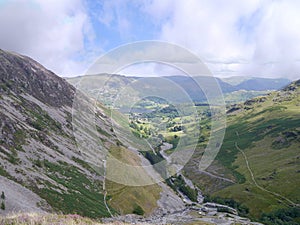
(83, 196)
(50, 219)
(272, 155)
(123, 198)
(126, 199)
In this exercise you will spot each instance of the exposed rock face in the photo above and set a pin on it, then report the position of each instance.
(41, 154)
(37, 145)
(23, 75)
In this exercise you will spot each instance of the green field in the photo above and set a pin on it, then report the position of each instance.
(263, 138)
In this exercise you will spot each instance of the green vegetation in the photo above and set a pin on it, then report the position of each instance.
(3, 172)
(2, 205)
(19, 139)
(3, 195)
(267, 131)
(288, 216)
(126, 199)
(241, 209)
(82, 195)
(178, 183)
(85, 165)
(102, 131)
(138, 210)
(41, 120)
(153, 158)
(157, 161)
(242, 95)
(13, 157)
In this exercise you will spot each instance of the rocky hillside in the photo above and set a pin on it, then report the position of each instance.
(41, 166)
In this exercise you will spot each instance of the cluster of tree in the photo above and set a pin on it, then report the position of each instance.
(171, 124)
(2, 201)
(242, 210)
(176, 128)
(285, 216)
(156, 100)
(140, 130)
(169, 111)
(174, 141)
(154, 158)
(156, 161)
(133, 125)
(178, 183)
(138, 210)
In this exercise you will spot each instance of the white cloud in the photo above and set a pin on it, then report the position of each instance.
(235, 37)
(52, 32)
(150, 69)
(250, 37)
(117, 15)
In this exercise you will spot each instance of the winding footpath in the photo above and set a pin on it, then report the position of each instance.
(104, 190)
(217, 177)
(290, 202)
(167, 146)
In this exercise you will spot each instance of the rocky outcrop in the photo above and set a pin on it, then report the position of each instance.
(37, 144)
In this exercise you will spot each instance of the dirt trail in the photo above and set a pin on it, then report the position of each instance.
(290, 202)
(105, 192)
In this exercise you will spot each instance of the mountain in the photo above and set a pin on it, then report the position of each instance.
(106, 87)
(258, 166)
(262, 84)
(46, 165)
(60, 153)
(235, 80)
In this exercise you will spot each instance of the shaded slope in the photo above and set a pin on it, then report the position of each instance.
(37, 146)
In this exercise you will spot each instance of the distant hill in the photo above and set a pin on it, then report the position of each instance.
(108, 86)
(262, 84)
(235, 80)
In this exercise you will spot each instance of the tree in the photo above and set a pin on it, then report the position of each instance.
(3, 195)
(2, 205)
(138, 210)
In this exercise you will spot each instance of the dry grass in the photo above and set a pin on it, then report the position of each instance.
(50, 219)
(125, 198)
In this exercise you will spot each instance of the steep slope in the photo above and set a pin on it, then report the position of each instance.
(38, 149)
(260, 155)
(39, 159)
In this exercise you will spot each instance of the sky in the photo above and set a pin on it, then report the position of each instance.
(233, 38)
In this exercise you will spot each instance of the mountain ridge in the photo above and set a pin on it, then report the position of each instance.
(106, 87)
